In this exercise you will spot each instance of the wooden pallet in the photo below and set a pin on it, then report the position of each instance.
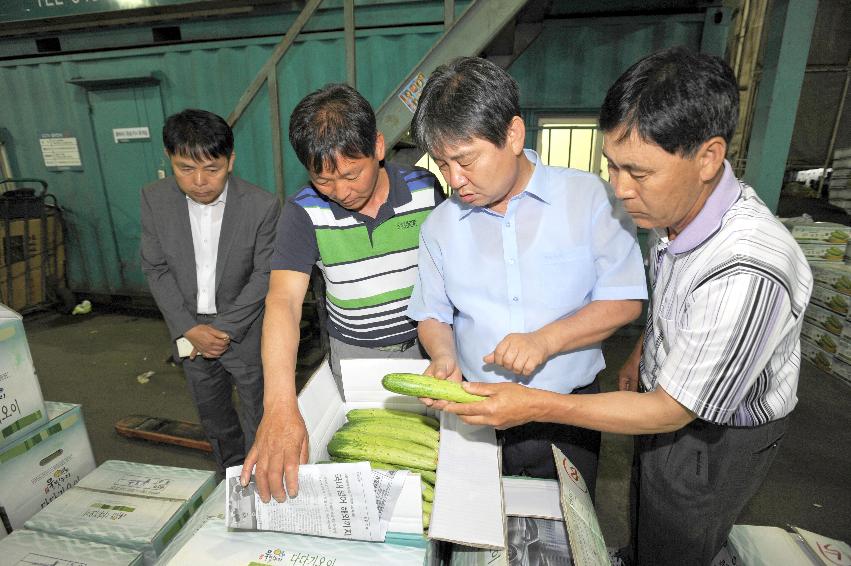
(165, 431)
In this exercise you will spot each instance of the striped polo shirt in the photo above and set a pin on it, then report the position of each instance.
(729, 293)
(369, 264)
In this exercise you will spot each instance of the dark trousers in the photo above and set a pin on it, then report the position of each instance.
(211, 383)
(526, 448)
(690, 485)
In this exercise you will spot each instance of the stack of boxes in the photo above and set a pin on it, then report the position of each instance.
(120, 514)
(826, 334)
(839, 188)
(44, 447)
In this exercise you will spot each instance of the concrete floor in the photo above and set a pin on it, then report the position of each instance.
(95, 360)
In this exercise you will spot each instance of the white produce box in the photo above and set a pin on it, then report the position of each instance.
(21, 403)
(132, 505)
(43, 465)
(25, 548)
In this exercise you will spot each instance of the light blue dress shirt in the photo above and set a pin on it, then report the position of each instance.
(564, 241)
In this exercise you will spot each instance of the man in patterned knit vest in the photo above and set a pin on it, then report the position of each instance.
(708, 389)
(359, 222)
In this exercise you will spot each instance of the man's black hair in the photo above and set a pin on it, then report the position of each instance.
(674, 98)
(467, 98)
(198, 135)
(334, 121)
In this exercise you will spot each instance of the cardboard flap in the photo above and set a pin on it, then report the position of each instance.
(362, 383)
(468, 502)
(531, 497)
(587, 546)
(321, 408)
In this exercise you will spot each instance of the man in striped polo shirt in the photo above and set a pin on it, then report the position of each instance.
(359, 222)
(708, 389)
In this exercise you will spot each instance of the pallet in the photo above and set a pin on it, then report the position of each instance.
(164, 431)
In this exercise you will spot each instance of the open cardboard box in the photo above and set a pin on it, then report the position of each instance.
(471, 499)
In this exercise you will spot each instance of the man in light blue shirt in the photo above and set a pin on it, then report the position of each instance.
(526, 269)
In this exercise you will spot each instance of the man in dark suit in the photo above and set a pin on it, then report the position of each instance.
(207, 238)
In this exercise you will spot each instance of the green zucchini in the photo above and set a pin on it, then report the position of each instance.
(428, 492)
(412, 432)
(427, 506)
(360, 414)
(390, 450)
(417, 385)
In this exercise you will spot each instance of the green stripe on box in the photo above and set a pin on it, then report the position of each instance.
(21, 423)
(372, 301)
(38, 438)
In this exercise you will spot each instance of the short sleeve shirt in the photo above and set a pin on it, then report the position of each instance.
(728, 297)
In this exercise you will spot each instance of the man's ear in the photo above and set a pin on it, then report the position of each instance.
(379, 146)
(231, 159)
(516, 136)
(710, 157)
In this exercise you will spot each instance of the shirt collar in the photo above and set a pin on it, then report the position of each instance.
(399, 195)
(536, 187)
(222, 198)
(708, 220)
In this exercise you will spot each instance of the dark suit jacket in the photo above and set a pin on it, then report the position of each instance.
(242, 265)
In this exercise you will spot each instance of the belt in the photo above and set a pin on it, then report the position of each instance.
(400, 347)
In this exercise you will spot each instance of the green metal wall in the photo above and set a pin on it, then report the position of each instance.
(39, 98)
(567, 70)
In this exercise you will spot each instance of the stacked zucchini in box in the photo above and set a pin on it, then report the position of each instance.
(391, 440)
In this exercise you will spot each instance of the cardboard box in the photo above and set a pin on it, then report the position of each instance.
(833, 276)
(26, 548)
(21, 403)
(810, 351)
(45, 464)
(136, 506)
(830, 299)
(823, 232)
(815, 252)
(821, 337)
(206, 540)
(29, 258)
(823, 318)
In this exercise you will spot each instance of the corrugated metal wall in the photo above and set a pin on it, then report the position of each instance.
(211, 76)
(567, 70)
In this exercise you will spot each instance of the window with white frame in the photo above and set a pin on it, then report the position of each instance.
(572, 141)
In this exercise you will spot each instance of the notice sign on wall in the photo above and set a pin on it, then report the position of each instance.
(60, 151)
(128, 134)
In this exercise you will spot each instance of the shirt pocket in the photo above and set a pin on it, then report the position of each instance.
(563, 279)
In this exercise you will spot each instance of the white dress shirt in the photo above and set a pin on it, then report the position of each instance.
(206, 223)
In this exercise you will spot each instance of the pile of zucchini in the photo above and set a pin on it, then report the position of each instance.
(391, 440)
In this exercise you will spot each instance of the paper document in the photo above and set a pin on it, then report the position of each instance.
(347, 501)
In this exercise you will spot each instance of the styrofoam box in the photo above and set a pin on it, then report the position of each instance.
(841, 369)
(830, 299)
(21, 403)
(821, 337)
(136, 506)
(823, 318)
(26, 547)
(820, 252)
(825, 232)
(45, 464)
(843, 348)
(834, 276)
(810, 351)
(768, 546)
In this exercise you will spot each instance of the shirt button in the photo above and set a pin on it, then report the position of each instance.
(515, 299)
(511, 261)
(508, 224)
